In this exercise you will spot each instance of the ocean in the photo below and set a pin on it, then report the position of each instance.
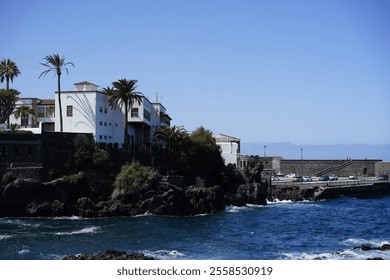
(329, 229)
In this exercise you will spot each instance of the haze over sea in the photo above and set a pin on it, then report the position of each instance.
(288, 150)
(329, 229)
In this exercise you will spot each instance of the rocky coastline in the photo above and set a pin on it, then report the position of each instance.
(109, 255)
(83, 195)
(295, 192)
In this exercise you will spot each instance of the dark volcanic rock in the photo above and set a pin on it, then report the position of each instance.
(384, 247)
(27, 197)
(109, 255)
(73, 195)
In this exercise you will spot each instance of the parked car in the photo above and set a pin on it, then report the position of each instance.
(275, 178)
(297, 179)
(383, 177)
(353, 177)
(291, 175)
(333, 177)
(307, 178)
(324, 178)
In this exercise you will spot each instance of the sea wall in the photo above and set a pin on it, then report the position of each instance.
(317, 192)
(382, 168)
(321, 167)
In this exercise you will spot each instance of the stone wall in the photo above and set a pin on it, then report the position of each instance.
(22, 153)
(382, 168)
(340, 168)
(17, 148)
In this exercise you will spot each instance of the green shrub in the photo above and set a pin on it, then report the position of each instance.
(134, 178)
(74, 178)
(100, 157)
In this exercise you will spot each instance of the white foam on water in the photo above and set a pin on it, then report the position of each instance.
(349, 254)
(24, 251)
(5, 236)
(146, 214)
(255, 206)
(277, 201)
(87, 230)
(235, 209)
(369, 242)
(164, 254)
(68, 218)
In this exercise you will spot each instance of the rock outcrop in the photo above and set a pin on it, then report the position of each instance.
(75, 195)
(109, 255)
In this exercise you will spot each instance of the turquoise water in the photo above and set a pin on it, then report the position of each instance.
(284, 230)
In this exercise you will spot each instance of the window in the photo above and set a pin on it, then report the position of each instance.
(100, 123)
(105, 137)
(100, 137)
(101, 109)
(147, 115)
(24, 121)
(105, 124)
(134, 112)
(41, 112)
(69, 111)
(105, 110)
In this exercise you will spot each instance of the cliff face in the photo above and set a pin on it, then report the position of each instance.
(83, 195)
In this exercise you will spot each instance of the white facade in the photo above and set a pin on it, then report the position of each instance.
(230, 148)
(43, 116)
(86, 109)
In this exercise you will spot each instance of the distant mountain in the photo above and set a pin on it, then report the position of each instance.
(288, 150)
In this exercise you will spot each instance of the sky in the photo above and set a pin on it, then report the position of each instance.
(303, 72)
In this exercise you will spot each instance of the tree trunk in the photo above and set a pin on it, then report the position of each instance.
(125, 137)
(7, 93)
(59, 99)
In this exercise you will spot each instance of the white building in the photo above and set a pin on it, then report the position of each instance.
(86, 109)
(230, 148)
(41, 119)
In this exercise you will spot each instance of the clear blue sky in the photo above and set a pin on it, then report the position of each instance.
(306, 72)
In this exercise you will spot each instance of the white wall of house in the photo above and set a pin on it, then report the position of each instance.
(86, 109)
(230, 148)
(29, 102)
(89, 112)
(229, 152)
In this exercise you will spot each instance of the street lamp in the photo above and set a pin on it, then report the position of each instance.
(265, 151)
(301, 153)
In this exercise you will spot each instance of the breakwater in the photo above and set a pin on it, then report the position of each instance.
(326, 190)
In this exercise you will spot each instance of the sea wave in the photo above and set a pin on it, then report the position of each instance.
(5, 236)
(87, 230)
(362, 241)
(164, 254)
(23, 223)
(348, 254)
(68, 218)
(235, 209)
(23, 251)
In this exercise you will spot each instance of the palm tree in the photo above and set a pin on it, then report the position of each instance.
(123, 94)
(24, 112)
(8, 70)
(56, 64)
(173, 137)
